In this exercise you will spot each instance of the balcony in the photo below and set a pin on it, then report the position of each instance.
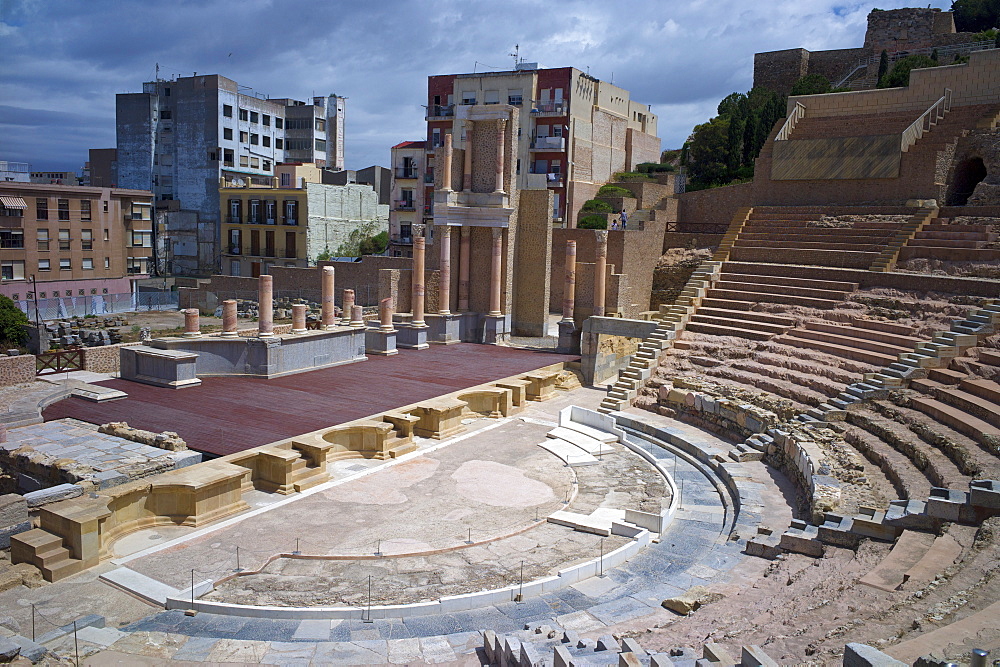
(428, 210)
(554, 108)
(404, 205)
(429, 178)
(548, 144)
(235, 250)
(17, 244)
(406, 172)
(440, 111)
(400, 239)
(515, 100)
(234, 220)
(552, 179)
(290, 221)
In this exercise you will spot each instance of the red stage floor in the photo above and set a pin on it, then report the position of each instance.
(226, 415)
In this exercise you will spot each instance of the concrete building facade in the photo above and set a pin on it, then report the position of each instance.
(73, 240)
(17, 172)
(293, 219)
(411, 177)
(576, 130)
(177, 138)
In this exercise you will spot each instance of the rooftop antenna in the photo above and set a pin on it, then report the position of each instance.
(515, 55)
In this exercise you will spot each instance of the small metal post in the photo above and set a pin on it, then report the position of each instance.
(32, 622)
(192, 589)
(602, 557)
(369, 619)
(238, 568)
(297, 552)
(469, 541)
(520, 586)
(378, 547)
(76, 645)
(680, 501)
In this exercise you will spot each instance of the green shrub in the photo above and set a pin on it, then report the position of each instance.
(632, 177)
(655, 167)
(596, 206)
(811, 84)
(592, 222)
(12, 321)
(899, 75)
(614, 191)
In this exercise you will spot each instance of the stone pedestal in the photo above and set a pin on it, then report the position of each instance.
(265, 306)
(299, 318)
(174, 369)
(569, 338)
(444, 329)
(496, 329)
(412, 337)
(229, 319)
(378, 341)
(357, 316)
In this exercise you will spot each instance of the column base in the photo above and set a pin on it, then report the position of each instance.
(569, 338)
(444, 329)
(229, 334)
(412, 338)
(380, 342)
(496, 329)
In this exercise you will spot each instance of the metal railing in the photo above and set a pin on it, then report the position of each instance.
(549, 143)
(404, 205)
(402, 239)
(926, 121)
(406, 172)
(942, 51)
(797, 114)
(441, 110)
(548, 107)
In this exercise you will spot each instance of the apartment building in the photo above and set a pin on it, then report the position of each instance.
(576, 131)
(413, 180)
(178, 138)
(73, 241)
(18, 172)
(293, 219)
(101, 170)
(55, 177)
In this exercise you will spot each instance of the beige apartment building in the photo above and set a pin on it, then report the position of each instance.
(74, 241)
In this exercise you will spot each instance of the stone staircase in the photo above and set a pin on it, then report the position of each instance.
(46, 552)
(944, 241)
(887, 258)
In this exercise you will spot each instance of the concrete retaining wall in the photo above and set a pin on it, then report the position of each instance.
(607, 343)
(17, 370)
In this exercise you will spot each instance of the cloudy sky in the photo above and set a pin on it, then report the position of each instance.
(64, 60)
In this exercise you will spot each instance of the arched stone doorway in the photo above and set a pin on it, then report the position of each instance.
(968, 174)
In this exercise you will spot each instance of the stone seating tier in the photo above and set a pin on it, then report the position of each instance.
(950, 242)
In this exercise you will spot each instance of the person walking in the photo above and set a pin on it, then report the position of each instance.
(624, 219)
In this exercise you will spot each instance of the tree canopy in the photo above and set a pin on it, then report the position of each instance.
(12, 321)
(899, 75)
(976, 15)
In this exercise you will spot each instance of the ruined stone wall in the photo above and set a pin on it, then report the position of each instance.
(532, 270)
(17, 370)
(906, 29)
(104, 359)
(779, 70)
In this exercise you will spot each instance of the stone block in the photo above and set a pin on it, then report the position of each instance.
(687, 602)
(561, 657)
(185, 459)
(627, 659)
(8, 650)
(53, 494)
(862, 655)
(29, 649)
(717, 654)
(13, 509)
(660, 660)
(607, 643)
(6, 533)
(109, 478)
(754, 656)
(631, 645)
(982, 492)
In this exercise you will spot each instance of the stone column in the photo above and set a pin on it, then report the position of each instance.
(417, 284)
(495, 266)
(357, 316)
(501, 126)
(229, 318)
(444, 288)
(265, 306)
(467, 163)
(348, 303)
(192, 323)
(464, 250)
(329, 317)
(299, 318)
(600, 272)
(385, 314)
(569, 289)
(446, 176)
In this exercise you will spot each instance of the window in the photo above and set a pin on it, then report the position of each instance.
(469, 97)
(298, 124)
(64, 239)
(64, 264)
(41, 209)
(254, 211)
(11, 238)
(227, 133)
(267, 141)
(87, 239)
(64, 209)
(255, 163)
(85, 209)
(286, 180)
(291, 212)
(491, 97)
(278, 122)
(43, 239)
(298, 144)
(234, 210)
(107, 235)
(88, 264)
(255, 139)
(234, 267)
(137, 265)
(254, 116)
(244, 114)
(515, 97)
(165, 114)
(266, 166)
(227, 158)
(166, 92)
(107, 262)
(436, 137)
(279, 144)
(270, 211)
(244, 161)
(12, 269)
(44, 265)
(142, 239)
(320, 125)
(266, 120)
(227, 110)
(321, 145)
(244, 137)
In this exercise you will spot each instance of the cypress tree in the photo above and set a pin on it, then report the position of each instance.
(883, 65)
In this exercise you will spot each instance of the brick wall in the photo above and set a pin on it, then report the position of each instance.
(640, 147)
(714, 206)
(17, 370)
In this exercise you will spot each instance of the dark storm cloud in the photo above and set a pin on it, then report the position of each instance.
(64, 60)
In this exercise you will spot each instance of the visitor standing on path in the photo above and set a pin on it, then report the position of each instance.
(624, 217)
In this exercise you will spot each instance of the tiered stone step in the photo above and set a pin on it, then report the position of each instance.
(825, 127)
(46, 552)
(865, 340)
(947, 242)
(973, 427)
(975, 396)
